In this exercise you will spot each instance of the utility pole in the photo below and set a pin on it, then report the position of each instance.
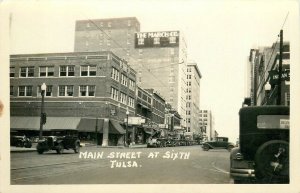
(280, 68)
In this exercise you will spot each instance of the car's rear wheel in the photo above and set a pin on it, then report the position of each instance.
(272, 162)
(205, 147)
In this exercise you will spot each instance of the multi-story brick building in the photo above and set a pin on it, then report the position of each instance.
(193, 98)
(261, 70)
(159, 58)
(84, 89)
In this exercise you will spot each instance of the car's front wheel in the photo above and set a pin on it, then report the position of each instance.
(60, 149)
(229, 148)
(77, 148)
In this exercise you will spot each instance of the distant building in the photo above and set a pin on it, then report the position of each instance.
(193, 98)
(84, 89)
(159, 58)
(207, 124)
(263, 65)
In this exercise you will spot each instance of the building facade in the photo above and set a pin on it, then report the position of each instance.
(263, 65)
(88, 89)
(207, 124)
(193, 98)
(159, 58)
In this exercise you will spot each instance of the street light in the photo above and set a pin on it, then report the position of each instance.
(43, 115)
(267, 89)
(126, 132)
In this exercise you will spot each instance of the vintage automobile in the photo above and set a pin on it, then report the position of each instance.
(263, 152)
(19, 140)
(219, 143)
(59, 139)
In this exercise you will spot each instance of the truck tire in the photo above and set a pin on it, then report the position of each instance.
(272, 162)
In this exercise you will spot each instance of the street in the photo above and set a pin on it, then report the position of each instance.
(96, 165)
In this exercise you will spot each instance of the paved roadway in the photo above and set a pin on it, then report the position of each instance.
(192, 166)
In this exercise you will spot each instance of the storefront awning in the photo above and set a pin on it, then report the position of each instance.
(89, 125)
(33, 123)
(116, 128)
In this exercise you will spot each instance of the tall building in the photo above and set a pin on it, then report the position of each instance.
(207, 124)
(263, 65)
(193, 98)
(159, 58)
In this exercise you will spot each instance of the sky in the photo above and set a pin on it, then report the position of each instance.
(219, 37)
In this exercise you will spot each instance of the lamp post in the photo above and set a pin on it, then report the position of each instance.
(267, 89)
(43, 115)
(126, 131)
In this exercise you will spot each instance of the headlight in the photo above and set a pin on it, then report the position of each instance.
(239, 156)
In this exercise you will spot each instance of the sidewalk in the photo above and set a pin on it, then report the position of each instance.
(14, 149)
(21, 149)
(130, 146)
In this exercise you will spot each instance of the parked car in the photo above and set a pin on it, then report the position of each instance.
(263, 152)
(219, 143)
(20, 141)
(59, 140)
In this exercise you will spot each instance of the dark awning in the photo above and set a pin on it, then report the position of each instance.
(116, 128)
(89, 125)
(33, 123)
(148, 130)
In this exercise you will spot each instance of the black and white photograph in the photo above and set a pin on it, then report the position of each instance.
(149, 96)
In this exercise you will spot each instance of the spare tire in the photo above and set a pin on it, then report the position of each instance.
(272, 162)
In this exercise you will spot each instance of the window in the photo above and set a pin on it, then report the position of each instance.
(114, 93)
(67, 71)
(27, 72)
(141, 41)
(131, 84)
(131, 102)
(12, 72)
(65, 90)
(273, 122)
(123, 80)
(11, 91)
(87, 90)
(48, 90)
(46, 71)
(115, 74)
(123, 98)
(89, 70)
(156, 41)
(172, 40)
(25, 90)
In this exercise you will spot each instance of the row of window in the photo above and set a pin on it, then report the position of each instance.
(115, 74)
(63, 90)
(108, 24)
(48, 71)
(124, 99)
(156, 41)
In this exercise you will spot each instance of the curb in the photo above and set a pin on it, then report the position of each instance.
(22, 151)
